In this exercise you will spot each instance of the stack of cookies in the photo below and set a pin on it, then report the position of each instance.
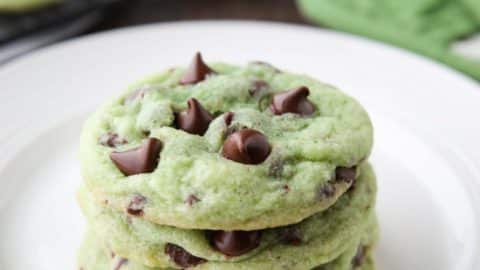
(216, 166)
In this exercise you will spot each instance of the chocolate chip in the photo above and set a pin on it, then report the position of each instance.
(325, 191)
(235, 243)
(197, 71)
(246, 146)
(181, 257)
(136, 205)
(286, 188)
(257, 86)
(192, 199)
(228, 117)
(121, 262)
(292, 101)
(345, 174)
(359, 258)
(195, 119)
(143, 159)
(137, 94)
(111, 139)
(290, 236)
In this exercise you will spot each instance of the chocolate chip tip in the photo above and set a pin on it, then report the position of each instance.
(197, 71)
(195, 119)
(228, 118)
(246, 146)
(292, 101)
(143, 159)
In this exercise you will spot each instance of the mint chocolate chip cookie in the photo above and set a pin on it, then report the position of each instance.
(316, 239)
(223, 147)
(221, 167)
(93, 256)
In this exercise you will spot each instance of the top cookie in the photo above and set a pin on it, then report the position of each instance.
(225, 147)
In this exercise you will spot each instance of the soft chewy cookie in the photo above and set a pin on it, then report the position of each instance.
(225, 147)
(315, 240)
(93, 256)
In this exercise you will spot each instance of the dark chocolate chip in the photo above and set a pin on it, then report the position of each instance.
(246, 146)
(197, 71)
(290, 236)
(181, 257)
(137, 94)
(345, 174)
(192, 199)
(292, 101)
(326, 191)
(143, 159)
(359, 258)
(121, 262)
(235, 243)
(111, 139)
(228, 117)
(136, 205)
(257, 86)
(195, 119)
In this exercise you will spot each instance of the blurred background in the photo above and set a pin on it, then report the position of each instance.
(445, 30)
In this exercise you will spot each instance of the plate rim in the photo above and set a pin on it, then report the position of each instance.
(234, 22)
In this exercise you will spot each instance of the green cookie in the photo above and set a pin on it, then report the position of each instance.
(197, 183)
(322, 236)
(93, 257)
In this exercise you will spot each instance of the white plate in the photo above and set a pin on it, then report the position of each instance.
(426, 118)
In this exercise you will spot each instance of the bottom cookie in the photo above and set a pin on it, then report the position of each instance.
(92, 256)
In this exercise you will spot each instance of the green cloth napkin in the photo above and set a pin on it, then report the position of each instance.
(428, 27)
(23, 5)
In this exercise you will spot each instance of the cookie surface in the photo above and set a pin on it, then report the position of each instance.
(92, 256)
(328, 233)
(196, 167)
